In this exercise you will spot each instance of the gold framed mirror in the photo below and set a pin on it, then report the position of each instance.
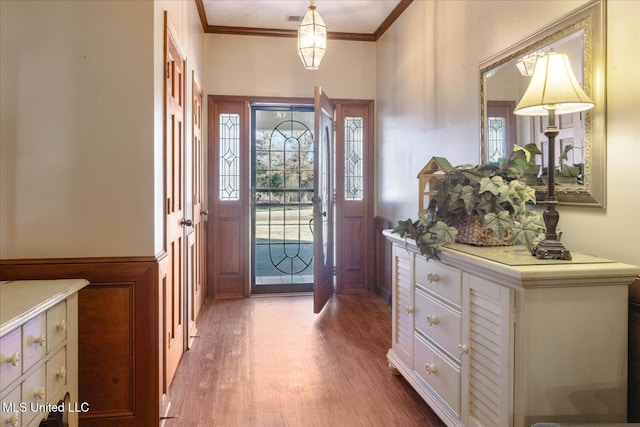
(581, 163)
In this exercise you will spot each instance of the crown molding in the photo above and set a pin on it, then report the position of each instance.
(272, 32)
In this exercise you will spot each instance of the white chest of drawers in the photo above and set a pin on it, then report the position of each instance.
(494, 337)
(38, 349)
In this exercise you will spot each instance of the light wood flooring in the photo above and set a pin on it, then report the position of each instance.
(269, 361)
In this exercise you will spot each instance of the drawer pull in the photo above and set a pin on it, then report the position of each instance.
(410, 310)
(463, 348)
(432, 319)
(433, 277)
(61, 325)
(42, 340)
(61, 373)
(14, 360)
(14, 419)
(430, 368)
(40, 394)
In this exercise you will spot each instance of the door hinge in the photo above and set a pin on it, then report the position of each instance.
(166, 71)
(335, 125)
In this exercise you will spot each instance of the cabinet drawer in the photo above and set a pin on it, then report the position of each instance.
(10, 357)
(34, 394)
(34, 341)
(440, 374)
(440, 323)
(442, 280)
(56, 325)
(10, 410)
(56, 373)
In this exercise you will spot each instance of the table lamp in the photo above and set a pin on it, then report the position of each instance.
(553, 90)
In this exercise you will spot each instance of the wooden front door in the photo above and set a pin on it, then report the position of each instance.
(323, 284)
(172, 315)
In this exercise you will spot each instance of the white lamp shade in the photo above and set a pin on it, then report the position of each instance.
(312, 39)
(553, 87)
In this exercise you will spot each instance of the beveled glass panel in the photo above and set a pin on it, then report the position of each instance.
(229, 178)
(353, 158)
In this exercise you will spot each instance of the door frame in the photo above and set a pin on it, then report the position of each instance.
(281, 288)
(214, 288)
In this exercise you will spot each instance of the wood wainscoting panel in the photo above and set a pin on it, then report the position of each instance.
(103, 329)
(118, 334)
(383, 257)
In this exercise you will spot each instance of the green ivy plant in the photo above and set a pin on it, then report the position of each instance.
(565, 174)
(494, 192)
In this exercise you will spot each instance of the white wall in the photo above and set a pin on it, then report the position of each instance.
(81, 135)
(76, 157)
(270, 66)
(428, 105)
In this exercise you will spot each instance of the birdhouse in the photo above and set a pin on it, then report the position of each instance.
(432, 171)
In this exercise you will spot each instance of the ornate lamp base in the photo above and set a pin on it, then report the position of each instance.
(551, 249)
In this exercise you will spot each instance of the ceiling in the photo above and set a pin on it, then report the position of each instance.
(345, 19)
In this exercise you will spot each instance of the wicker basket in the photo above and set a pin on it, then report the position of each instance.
(471, 232)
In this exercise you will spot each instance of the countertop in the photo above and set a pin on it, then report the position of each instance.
(21, 300)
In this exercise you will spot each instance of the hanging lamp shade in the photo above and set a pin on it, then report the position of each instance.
(553, 87)
(312, 38)
(526, 64)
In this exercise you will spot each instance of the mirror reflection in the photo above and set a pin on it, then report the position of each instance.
(579, 162)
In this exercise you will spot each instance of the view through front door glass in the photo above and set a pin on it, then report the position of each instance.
(283, 185)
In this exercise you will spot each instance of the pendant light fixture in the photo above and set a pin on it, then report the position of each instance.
(312, 38)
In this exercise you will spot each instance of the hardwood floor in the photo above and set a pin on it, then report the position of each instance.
(269, 361)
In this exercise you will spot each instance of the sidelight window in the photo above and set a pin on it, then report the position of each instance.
(353, 158)
(229, 157)
(496, 138)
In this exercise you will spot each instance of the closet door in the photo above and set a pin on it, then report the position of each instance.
(196, 240)
(172, 301)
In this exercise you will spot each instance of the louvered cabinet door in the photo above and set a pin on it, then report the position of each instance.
(487, 353)
(402, 304)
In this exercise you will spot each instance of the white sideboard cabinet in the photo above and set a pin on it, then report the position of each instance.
(496, 337)
(39, 351)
